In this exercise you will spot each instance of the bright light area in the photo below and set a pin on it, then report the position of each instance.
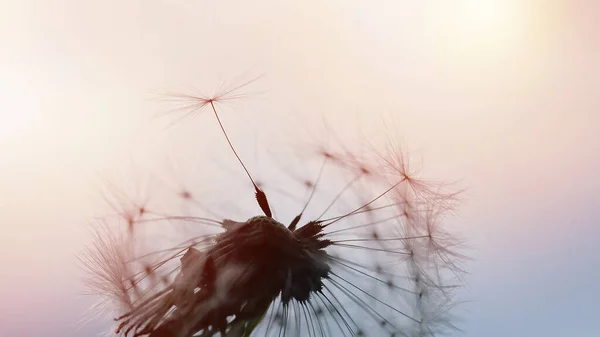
(487, 16)
(479, 34)
(468, 43)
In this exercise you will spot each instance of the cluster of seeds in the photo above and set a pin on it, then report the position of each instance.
(363, 252)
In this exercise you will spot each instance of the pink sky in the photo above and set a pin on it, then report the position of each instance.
(504, 98)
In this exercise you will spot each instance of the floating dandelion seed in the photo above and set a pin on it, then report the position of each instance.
(362, 252)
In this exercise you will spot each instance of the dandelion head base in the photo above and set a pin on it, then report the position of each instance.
(260, 256)
(294, 262)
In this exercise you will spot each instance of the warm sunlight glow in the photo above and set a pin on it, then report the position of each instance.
(486, 17)
(475, 41)
(461, 38)
(487, 25)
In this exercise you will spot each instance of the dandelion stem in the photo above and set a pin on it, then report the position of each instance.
(373, 249)
(367, 204)
(212, 104)
(384, 239)
(260, 195)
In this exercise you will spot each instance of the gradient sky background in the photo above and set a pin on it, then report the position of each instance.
(501, 94)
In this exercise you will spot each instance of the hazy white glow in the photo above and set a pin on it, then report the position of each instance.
(486, 25)
(17, 110)
(487, 17)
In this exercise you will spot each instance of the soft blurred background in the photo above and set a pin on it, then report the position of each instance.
(501, 95)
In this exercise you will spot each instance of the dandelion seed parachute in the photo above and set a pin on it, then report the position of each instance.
(359, 251)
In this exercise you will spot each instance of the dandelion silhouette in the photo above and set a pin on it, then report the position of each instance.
(364, 254)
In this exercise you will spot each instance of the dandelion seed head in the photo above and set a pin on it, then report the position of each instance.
(353, 245)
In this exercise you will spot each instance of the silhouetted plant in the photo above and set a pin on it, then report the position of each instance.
(359, 251)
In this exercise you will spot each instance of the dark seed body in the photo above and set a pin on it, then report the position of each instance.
(242, 274)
